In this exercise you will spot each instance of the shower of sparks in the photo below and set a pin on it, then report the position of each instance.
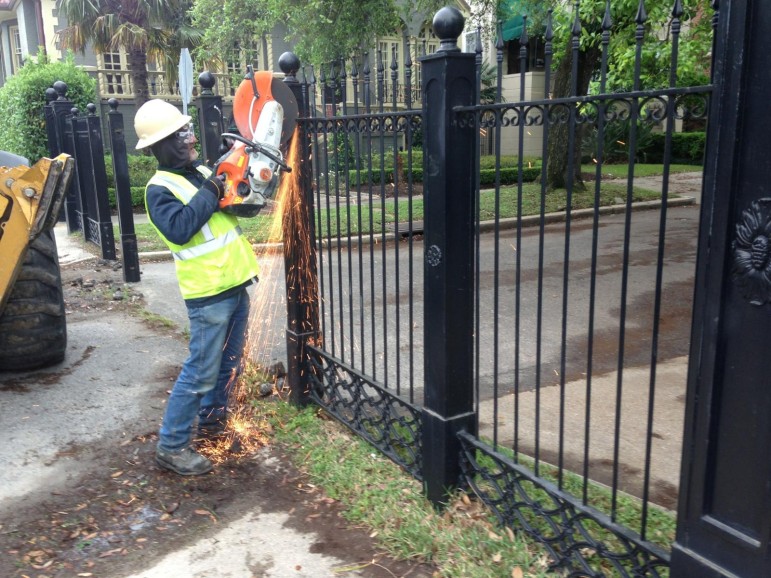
(246, 430)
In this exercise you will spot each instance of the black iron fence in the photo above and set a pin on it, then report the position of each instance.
(517, 356)
(87, 207)
(531, 357)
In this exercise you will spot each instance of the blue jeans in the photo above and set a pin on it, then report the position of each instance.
(217, 336)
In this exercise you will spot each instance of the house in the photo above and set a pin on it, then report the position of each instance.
(28, 25)
(25, 26)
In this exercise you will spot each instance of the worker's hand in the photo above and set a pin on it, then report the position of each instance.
(215, 185)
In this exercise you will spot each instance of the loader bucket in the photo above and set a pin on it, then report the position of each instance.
(30, 201)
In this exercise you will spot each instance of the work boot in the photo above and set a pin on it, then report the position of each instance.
(211, 431)
(184, 462)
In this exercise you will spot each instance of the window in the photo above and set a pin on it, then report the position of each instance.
(16, 56)
(535, 55)
(387, 51)
(471, 42)
(238, 58)
(114, 79)
(426, 43)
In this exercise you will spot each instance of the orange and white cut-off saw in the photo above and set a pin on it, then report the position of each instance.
(265, 112)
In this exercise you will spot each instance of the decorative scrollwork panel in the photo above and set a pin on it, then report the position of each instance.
(580, 540)
(384, 420)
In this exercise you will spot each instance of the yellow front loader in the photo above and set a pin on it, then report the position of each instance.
(33, 331)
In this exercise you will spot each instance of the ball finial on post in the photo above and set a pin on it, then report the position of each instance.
(448, 25)
(289, 64)
(207, 81)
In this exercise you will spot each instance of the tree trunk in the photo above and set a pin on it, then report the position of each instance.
(137, 60)
(559, 132)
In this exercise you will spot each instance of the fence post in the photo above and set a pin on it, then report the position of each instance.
(210, 120)
(74, 146)
(448, 81)
(61, 108)
(89, 157)
(101, 209)
(54, 146)
(123, 201)
(54, 143)
(299, 248)
(725, 502)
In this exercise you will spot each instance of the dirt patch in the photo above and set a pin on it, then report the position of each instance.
(128, 513)
(120, 513)
(97, 286)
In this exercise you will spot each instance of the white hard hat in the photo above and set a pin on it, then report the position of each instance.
(157, 119)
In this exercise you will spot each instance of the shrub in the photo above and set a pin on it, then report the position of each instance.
(616, 142)
(22, 98)
(141, 168)
(508, 175)
(137, 197)
(687, 148)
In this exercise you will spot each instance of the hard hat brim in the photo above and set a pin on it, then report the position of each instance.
(184, 120)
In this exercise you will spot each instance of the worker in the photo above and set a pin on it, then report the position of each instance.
(215, 264)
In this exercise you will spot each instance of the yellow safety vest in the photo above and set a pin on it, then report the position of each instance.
(216, 258)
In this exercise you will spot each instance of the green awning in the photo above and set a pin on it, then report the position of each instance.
(511, 15)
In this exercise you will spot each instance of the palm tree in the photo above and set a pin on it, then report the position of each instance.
(149, 30)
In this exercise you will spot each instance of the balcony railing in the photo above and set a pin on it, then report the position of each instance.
(119, 85)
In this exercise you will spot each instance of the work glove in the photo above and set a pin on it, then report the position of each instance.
(215, 185)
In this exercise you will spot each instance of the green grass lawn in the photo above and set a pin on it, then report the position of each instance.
(463, 540)
(366, 217)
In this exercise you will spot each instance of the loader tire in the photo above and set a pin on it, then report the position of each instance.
(33, 328)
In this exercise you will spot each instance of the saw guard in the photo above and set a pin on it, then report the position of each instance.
(247, 109)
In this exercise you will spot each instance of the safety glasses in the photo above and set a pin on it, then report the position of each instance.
(186, 135)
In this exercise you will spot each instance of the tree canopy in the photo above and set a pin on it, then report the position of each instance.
(695, 36)
(319, 30)
(154, 30)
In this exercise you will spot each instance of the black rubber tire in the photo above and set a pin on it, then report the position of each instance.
(33, 327)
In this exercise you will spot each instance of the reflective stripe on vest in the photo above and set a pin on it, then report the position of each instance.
(210, 245)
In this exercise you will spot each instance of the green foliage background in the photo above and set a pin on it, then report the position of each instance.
(22, 98)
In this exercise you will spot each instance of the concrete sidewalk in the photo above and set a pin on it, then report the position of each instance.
(259, 543)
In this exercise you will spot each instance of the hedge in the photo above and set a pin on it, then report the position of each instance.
(487, 177)
(137, 197)
(687, 148)
(141, 168)
(22, 98)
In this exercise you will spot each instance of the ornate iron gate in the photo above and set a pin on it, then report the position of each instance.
(507, 312)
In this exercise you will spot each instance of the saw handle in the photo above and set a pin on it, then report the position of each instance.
(259, 148)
